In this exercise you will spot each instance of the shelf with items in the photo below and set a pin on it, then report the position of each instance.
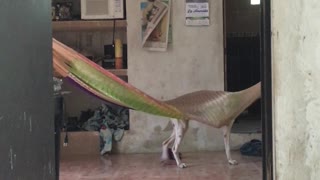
(88, 25)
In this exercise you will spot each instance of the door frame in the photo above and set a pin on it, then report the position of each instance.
(266, 96)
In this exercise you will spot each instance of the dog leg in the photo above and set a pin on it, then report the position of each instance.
(165, 145)
(226, 138)
(180, 129)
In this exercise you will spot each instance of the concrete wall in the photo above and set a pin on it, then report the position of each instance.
(296, 85)
(193, 62)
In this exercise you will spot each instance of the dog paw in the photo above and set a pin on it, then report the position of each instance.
(233, 162)
(182, 165)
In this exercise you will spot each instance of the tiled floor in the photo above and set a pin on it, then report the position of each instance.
(208, 165)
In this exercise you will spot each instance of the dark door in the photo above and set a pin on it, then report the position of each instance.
(26, 98)
(264, 68)
(242, 57)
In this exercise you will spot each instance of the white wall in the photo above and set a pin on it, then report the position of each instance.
(193, 62)
(296, 85)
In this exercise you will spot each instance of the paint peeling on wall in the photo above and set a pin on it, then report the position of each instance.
(30, 124)
(11, 158)
(296, 85)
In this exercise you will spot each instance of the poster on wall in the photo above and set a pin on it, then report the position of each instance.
(197, 13)
(155, 24)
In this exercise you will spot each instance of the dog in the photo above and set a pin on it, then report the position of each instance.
(214, 108)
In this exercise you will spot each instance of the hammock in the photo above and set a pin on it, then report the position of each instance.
(215, 108)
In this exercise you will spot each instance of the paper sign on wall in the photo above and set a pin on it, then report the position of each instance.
(155, 24)
(197, 13)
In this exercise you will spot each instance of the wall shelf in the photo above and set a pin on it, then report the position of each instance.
(82, 25)
(118, 72)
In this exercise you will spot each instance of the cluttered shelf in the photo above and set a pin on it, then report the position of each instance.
(82, 25)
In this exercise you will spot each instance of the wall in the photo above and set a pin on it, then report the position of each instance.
(193, 62)
(296, 85)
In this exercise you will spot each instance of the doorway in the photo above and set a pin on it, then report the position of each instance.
(242, 21)
(250, 20)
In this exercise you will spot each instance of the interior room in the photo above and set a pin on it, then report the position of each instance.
(161, 76)
(159, 89)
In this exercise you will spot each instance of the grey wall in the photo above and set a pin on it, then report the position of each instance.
(296, 86)
(26, 108)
